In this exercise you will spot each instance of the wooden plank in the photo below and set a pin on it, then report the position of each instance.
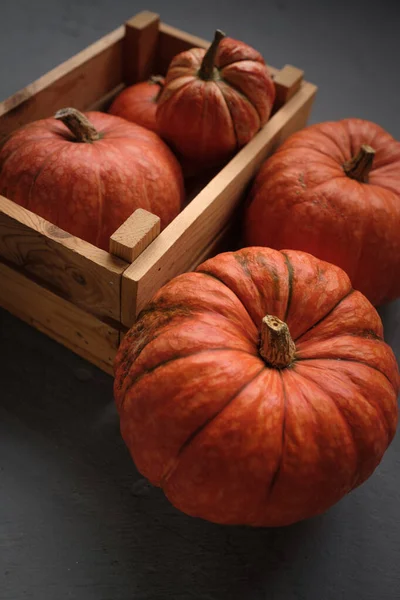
(104, 102)
(304, 99)
(83, 334)
(68, 266)
(287, 83)
(140, 46)
(223, 242)
(272, 71)
(176, 248)
(78, 82)
(138, 231)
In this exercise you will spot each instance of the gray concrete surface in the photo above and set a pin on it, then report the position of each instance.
(76, 519)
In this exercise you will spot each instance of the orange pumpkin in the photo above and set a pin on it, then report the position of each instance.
(214, 102)
(333, 189)
(88, 174)
(138, 103)
(257, 390)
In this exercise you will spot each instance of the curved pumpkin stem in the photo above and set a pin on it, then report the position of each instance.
(157, 80)
(276, 347)
(360, 165)
(78, 124)
(206, 70)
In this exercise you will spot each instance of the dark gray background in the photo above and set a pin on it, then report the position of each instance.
(76, 520)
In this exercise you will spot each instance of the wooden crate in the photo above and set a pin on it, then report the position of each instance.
(84, 297)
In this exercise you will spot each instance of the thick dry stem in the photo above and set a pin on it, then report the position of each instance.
(206, 71)
(160, 81)
(360, 165)
(276, 346)
(78, 124)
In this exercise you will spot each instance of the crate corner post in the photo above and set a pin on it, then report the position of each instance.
(134, 235)
(287, 82)
(140, 46)
(127, 243)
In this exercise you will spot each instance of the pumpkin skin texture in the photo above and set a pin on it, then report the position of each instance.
(227, 436)
(303, 199)
(89, 188)
(207, 114)
(138, 103)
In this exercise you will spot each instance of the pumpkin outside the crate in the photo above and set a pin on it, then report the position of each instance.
(258, 389)
(333, 189)
(138, 103)
(214, 102)
(87, 173)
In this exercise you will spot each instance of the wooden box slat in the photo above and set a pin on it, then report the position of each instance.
(74, 269)
(78, 82)
(133, 236)
(140, 47)
(61, 320)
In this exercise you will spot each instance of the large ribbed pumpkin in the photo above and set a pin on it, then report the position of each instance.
(214, 102)
(88, 173)
(333, 189)
(257, 390)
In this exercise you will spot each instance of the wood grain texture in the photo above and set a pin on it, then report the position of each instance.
(176, 248)
(62, 321)
(68, 266)
(138, 231)
(140, 47)
(79, 82)
(225, 241)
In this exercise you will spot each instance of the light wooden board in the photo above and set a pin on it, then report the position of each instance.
(138, 231)
(104, 102)
(175, 249)
(222, 243)
(140, 47)
(78, 82)
(72, 268)
(83, 334)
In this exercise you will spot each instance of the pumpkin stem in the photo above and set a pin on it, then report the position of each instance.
(276, 346)
(206, 70)
(78, 124)
(360, 165)
(157, 80)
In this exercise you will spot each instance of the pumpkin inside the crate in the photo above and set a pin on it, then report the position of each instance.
(87, 173)
(257, 390)
(213, 102)
(333, 189)
(138, 102)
